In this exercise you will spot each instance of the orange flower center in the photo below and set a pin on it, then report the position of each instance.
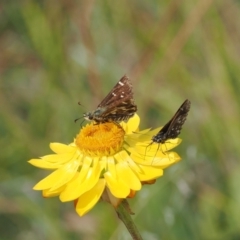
(100, 139)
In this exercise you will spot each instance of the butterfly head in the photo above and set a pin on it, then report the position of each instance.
(94, 115)
(88, 116)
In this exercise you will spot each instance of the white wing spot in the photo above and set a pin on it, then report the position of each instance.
(121, 83)
(114, 94)
(121, 96)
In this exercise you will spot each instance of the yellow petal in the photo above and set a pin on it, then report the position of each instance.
(128, 176)
(59, 177)
(164, 162)
(170, 144)
(61, 148)
(113, 200)
(86, 179)
(103, 162)
(124, 171)
(155, 131)
(59, 158)
(87, 201)
(144, 153)
(145, 159)
(123, 156)
(48, 193)
(151, 148)
(111, 166)
(131, 140)
(116, 185)
(43, 164)
(144, 135)
(158, 159)
(148, 173)
(140, 137)
(132, 124)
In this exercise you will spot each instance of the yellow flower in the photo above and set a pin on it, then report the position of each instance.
(109, 161)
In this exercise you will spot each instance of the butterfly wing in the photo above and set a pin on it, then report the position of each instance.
(178, 120)
(173, 128)
(119, 103)
(121, 92)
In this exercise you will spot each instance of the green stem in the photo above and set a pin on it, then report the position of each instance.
(123, 211)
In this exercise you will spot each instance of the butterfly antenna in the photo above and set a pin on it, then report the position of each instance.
(81, 124)
(79, 103)
(79, 119)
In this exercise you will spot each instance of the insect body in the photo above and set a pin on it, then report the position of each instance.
(117, 106)
(173, 128)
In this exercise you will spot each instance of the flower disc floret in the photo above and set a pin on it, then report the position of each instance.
(100, 139)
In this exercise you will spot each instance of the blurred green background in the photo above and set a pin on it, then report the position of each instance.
(56, 53)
